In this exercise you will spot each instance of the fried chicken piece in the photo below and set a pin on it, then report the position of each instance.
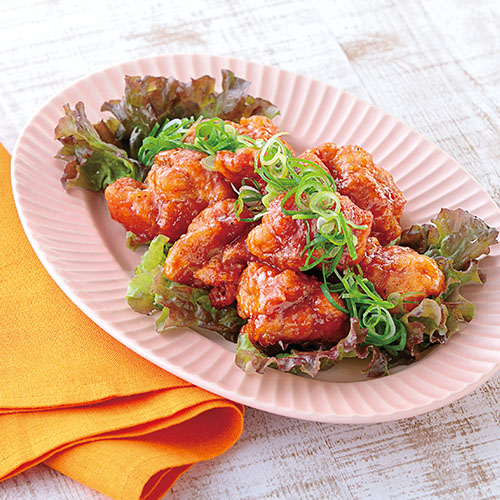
(287, 307)
(310, 156)
(176, 189)
(402, 270)
(236, 166)
(133, 205)
(208, 234)
(255, 127)
(259, 127)
(280, 240)
(367, 184)
(222, 272)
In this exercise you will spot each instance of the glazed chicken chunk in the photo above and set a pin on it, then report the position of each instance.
(368, 185)
(402, 270)
(222, 272)
(237, 166)
(258, 127)
(207, 237)
(176, 189)
(287, 308)
(280, 240)
(241, 164)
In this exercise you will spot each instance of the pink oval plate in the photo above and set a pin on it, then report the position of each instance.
(85, 253)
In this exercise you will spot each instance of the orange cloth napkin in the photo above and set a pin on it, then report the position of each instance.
(73, 397)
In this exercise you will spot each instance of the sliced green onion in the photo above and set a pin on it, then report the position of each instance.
(209, 163)
(371, 310)
(169, 136)
(250, 197)
(315, 195)
(211, 136)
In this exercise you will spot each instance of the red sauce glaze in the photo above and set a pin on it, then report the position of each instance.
(260, 127)
(237, 166)
(222, 272)
(176, 189)
(287, 307)
(280, 240)
(208, 234)
(368, 185)
(402, 270)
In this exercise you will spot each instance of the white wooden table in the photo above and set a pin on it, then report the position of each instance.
(433, 64)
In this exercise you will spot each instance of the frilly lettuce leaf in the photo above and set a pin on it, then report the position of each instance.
(252, 360)
(132, 241)
(455, 239)
(96, 155)
(454, 234)
(460, 310)
(185, 305)
(426, 323)
(139, 292)
(153, 99)
(379, 363)
(434, 320)
(150, 291)
(234, 102)
(91, 162)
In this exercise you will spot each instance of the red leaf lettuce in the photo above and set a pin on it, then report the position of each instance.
(251, 359)
(150, 291)
(97, 155)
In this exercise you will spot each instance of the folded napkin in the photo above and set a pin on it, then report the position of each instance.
(73, 397)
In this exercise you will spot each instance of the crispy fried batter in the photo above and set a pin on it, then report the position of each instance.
(259, 127)
(280, 240)
(222, 272)
(367, 184)
(176, 189)
(134, 205)
(236, 166)
(402, 270)
(287, 307)
(208, 234)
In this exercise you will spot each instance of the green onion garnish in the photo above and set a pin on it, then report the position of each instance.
(315, 195)
(373, 312)
(211, 136)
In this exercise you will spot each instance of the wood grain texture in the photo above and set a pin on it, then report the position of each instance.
(436, 66)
